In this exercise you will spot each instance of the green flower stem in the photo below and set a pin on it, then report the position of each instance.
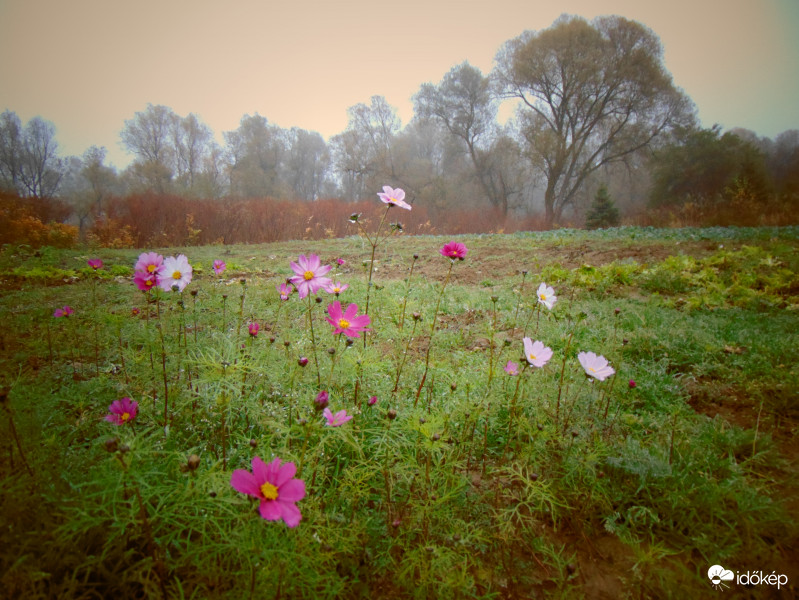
(407, 293)
(432, 331)
(313, 341)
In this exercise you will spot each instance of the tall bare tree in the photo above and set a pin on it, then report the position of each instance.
(589, 94)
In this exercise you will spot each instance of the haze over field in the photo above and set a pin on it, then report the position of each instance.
(88, 66)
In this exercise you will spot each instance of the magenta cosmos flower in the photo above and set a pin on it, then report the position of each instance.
(336, 287)
(546, 296)
(310, 275)
(393, 197)
(95, 263)
(219, 266)
(336, 420)
(347, 322)
(144, 281)
(149, 262)
(175, 272)
(274, 485)
(122, 411)
(66, 311)
(595, 366)
(454, 250)
(536, 353)
(284, 289)
(253, 328)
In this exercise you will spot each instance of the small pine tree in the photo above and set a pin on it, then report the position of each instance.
(603, 212)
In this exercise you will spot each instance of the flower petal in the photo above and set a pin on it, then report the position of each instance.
(292, 491)
(284, 474)
(290, 513)
(270, 510)
(243, 481)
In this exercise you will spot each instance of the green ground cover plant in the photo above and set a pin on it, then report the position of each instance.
(650, 435)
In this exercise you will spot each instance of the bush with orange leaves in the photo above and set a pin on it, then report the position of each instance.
(35, 221)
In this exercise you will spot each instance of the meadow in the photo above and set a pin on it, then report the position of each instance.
(465, 465)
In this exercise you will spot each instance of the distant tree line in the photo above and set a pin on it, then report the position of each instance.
(595, 108)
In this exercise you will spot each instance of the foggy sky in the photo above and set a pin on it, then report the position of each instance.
(89, 65)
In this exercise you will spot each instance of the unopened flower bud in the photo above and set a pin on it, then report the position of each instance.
(302, 361)
(422, 420)
(271, 339)
(243, 281)
(616, 311)
(575, 433)
(415, 257)
(372, 401)
(571, 568)
(124, 448)
(632, 384)
(318, 300)
(287, 343)
(224, 296)
(193, 292)
(212, 493)
(391, 414)
(600, 475)
(302, 422)
(524, 271)
(321, 400)
(453, 386)
(416, 316)
(331, 351)
(111, 444)
(625, 341)
(494, 299)
(349, 342)
(193, 462)
(253, 443)
(435, 437)
(396, 522)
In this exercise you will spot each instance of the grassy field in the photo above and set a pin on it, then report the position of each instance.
(454, 478)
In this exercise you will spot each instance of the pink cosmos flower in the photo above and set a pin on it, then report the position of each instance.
(341, 262)
(95, 263)
(122, 411)
(336, 287)
(454, 250)
(219, 267)
(253, 328)
(175, 272)
(372, 401)
(145, 281)
(512, 368)
(536, 353)
(595, 366)
(310, 275)
(393, 197)
(632, 383)
(336, 420)
(66, 311)
(275, 486)
(135, 311)
(347, 322)
(149, 263)
(546, 296)
(284, 289)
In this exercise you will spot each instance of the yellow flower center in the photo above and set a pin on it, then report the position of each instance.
(150, 268)
(336, 290)
(532, 357)
(343, 323)
(176, 275)
(269, 491)
(125, 416)
(308, 275)
(592, 369)
(453, 252)
(148, 282)
(542, 296)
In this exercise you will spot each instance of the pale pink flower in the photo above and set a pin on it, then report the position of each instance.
(454, 250)
(175, 273)
(310, 275)
(536, 353)
(595, 366)
(219, 266)
(393, 197)
(347, 322)
(276, 488)
(512, 368)
(122, 411)
(336, 287)
(284, 289)
(336, 420)
(546, 296)
(149, 262)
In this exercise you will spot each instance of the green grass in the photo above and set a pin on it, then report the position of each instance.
(477, 488)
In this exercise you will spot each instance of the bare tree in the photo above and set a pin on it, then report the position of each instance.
(148, 135)
(589, 94)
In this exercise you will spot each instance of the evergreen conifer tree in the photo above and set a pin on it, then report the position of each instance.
(603, 212)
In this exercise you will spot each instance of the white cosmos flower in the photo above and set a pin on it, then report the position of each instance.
(536, 353)
(175, 272)
(546, 296)
(595, 366)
